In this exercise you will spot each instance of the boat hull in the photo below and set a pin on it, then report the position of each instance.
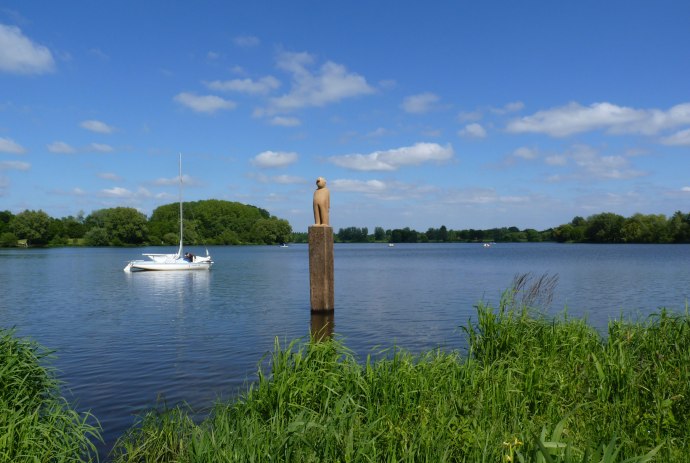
(145, 265)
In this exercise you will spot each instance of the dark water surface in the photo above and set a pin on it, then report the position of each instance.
(124, 341)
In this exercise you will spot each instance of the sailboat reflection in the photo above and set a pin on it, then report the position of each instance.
(171, 283)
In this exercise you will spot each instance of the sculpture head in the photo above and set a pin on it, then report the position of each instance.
(320, 182)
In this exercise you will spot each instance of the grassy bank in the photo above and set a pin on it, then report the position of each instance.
(528, 389)
(36, 423)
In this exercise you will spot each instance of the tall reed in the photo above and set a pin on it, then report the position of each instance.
(530, 388)
(36, 423)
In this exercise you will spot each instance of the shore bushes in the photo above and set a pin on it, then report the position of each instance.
(36, 423)
(529, 388)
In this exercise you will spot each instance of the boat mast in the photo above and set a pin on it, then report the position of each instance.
(179, 252)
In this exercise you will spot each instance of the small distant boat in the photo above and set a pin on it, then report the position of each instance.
(284, 245)
(178, 261)
(390, 245)
(487, 245)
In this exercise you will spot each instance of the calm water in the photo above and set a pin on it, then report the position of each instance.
(124, 341)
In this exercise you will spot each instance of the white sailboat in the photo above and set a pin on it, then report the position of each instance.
(177, 261)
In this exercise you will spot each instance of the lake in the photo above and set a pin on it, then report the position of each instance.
(127, 341)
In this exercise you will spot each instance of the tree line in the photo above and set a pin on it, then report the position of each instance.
(606, 227)
(223, 222)
(206, 222)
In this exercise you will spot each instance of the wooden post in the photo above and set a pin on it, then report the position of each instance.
(321, 268)
(322, 325)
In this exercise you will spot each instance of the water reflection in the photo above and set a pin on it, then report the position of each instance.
(170, 283)
(123, 340)
(322, 325)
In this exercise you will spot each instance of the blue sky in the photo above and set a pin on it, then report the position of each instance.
(420, 114)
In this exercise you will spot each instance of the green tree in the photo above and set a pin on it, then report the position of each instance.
(271, 231)
(679, 227)
(646, 229)
(353, 235)
(97, 236)
(443, 234)
(5, 218)
(563, 233)
(299, 237)
(8, 239)
(73, 227)
(122, 225)
(430, 234)
(533, 235)
(31, 226)
(604, 228)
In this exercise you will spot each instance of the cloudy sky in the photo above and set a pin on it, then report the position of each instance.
(420, 114)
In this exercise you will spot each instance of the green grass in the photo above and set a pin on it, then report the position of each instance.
(36, 424)
(529, 388)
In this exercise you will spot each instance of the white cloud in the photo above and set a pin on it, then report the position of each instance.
(598, 166)
(96, 126)
(575, 118)
(19, 55)
(431, 132)
(14, 165)
(7, 145)
(186, 179)
(525, 153)
(287, 179)
(283, 121)
(262, 86)
(246, 41)
(590, 165)
(271, 159)
(465, 116)
(358, 186)
(379, 132)
(98, 53)
(556, 160)
(76, 191)
(395, 158)
(110, 176)
(678, 138)
(100, 147)
(331, 83)
(473, 130)
(420, 104)
(118, 192)
(472, 196)
(278, 179)
(204, 103)
(60, 147)
(685, 189)
(509, 108)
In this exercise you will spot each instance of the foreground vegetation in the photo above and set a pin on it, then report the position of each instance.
(528, 389)
(36, 424)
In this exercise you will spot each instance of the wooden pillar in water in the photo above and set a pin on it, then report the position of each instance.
(321, 268)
